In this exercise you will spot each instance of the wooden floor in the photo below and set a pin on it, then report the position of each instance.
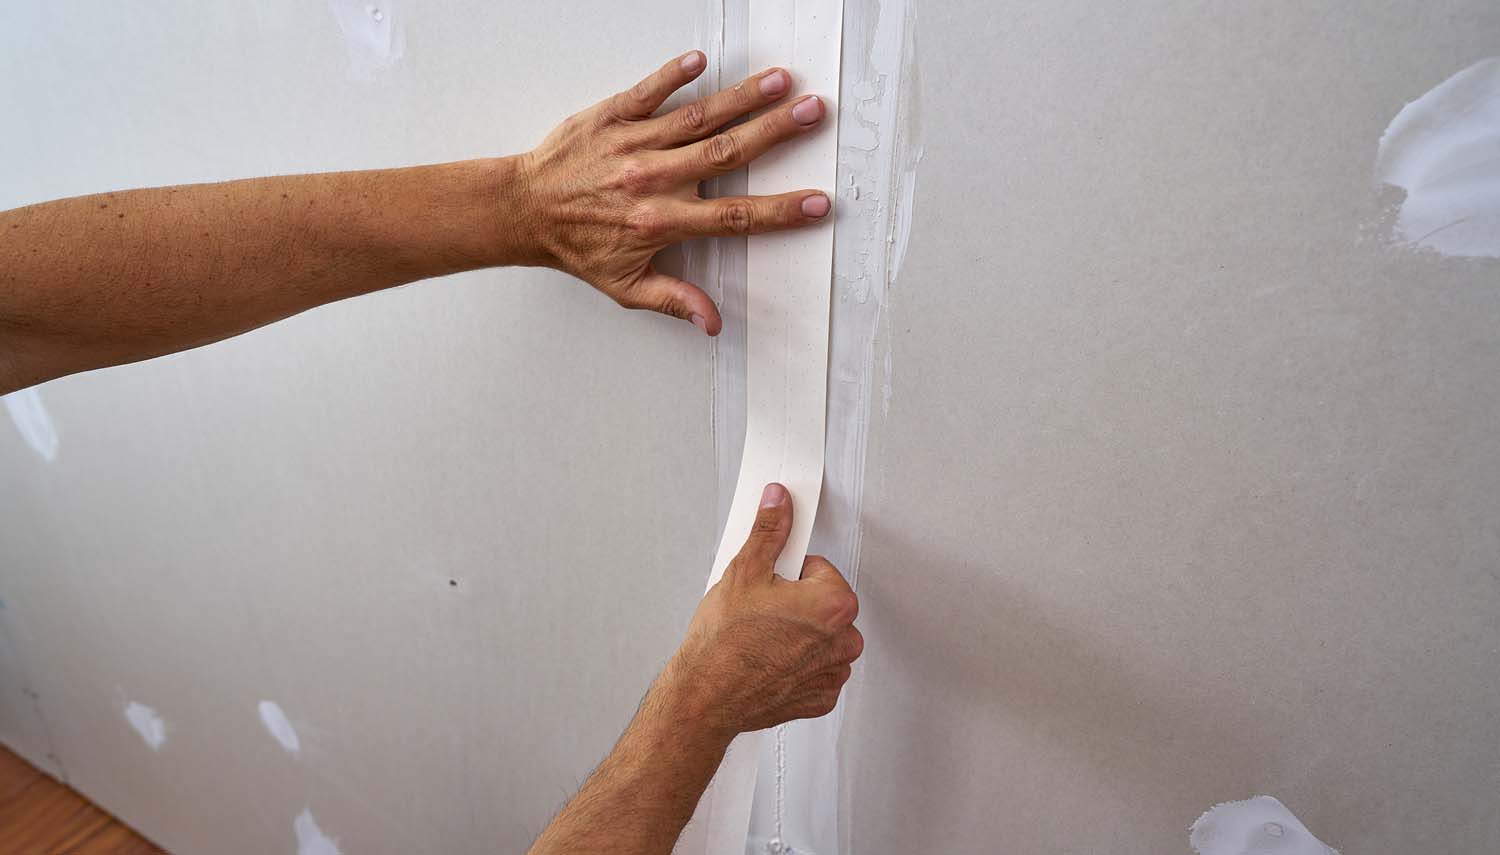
(39, 816)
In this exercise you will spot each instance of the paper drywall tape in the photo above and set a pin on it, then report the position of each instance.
(788, 278)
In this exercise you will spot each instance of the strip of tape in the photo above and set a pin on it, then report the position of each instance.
(788, 280)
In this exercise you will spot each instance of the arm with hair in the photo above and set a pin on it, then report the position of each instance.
(760, 651)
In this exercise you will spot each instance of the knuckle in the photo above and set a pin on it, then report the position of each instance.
(694, 118)
(737, 217)
(854, 646)
(818, 564)
(825, 703)
(843, 608)
(633, 176)
(722, 152)
(767, 521)
(670, 305)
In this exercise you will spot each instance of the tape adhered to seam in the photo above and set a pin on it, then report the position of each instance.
(788, 281)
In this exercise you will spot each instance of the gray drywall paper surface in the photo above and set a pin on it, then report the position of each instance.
(1186, 490)
(278, 517)
(1180, 491)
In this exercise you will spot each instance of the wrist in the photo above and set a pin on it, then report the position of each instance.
(512, 193)
(697, 713)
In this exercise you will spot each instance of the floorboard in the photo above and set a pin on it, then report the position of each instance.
(39, 816)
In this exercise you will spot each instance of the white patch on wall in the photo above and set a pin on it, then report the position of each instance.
(147, 723)
(279, 726)
(310, 838)
(1256, 826)
(33, 422)
(1443, 149)
(372, 33)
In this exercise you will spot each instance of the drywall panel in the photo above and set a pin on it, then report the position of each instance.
(1178, 486)
(450, 532)
(1186, 487)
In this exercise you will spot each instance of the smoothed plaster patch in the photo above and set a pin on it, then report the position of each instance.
(1260, 825)
(1443, 149)
(372, 32)
(33, 422)
(148, 723)
(310, 838)
(279, 726)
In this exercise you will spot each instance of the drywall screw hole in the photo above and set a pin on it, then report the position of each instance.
(453, 583)
(376, 13)
(1274, 829)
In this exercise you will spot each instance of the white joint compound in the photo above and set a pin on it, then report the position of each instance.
(149, 724)
(310, 838)
(279, 726)
(1443, 149)
(1256, 826)
(787, 293)
(33, 422)
(797, 804)
(372, 34)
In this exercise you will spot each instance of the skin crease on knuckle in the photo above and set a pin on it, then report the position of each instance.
(722, 152)
(738, 218)
(589, 176)
(766, 522)
(694, 118)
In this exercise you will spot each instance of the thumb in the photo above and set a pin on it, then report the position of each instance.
(773, 525)
(671, 296)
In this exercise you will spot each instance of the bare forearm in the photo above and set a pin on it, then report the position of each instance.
(117, 277)
(641, 796)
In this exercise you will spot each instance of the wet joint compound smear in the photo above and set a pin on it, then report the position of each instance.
(372, 33)
(279, 726)
(310, 838)
(1256, 826)
(33, 422)
(1443, 149)
(148, 723)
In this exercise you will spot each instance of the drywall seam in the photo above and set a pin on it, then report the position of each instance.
(1443, 149)
(787, 288)
(877, 156)
(876, 180)
(50, 760)
(719, 265)
(877, 177)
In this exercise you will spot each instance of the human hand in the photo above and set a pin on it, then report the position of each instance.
(762, 650)
(614, 185)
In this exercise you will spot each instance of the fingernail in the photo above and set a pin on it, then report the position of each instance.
(773, 84)
(808, 110)
(773, 495)
(699, 323)
(692, 62)
(815, 206)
